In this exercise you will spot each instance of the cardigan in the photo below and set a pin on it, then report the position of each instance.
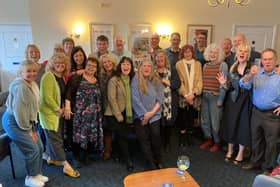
(50, 101)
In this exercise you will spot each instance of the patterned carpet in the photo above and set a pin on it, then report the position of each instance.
(208, 169)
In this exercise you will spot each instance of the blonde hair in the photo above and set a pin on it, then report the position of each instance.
(32, 46)
(59, 58)
(143, 82)
(211, 47)
(167, 63)
(26, 64)
(111, 57)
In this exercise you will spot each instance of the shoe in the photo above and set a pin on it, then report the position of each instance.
(215, 147)
(237, 162)
(129, 167)
(250, 167)
(275, 171)
(206, 144)
(71, 172)
(42, 178)
(106, 155)
(55, 162)
(33, 182)
(159, 166)
(228, 158)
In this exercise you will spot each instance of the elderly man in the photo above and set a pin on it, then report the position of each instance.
(237, 40)
(154, 43)
(265, 120)
(119, 49)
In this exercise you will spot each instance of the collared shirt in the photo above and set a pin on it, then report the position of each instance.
(266, 89)
(173, 56)
(200, 56)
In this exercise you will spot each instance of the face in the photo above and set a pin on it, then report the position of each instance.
(91, 67)
(59, 68)
(175, 41)
(155, 41)
(79, 58)
(242, 55)
(29, 73)
(107, 64)
(146, 69)
(68, 46)
(201, 40)
(160, 60)
(33, 54)
(126, 67)
(268, 61)
(214, 55)
(188, 54)
(119, 44)
(238, 39)
(226, 45)
(102, 46)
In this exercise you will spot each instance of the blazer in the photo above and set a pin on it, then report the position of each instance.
(50, 100)
(116, 98)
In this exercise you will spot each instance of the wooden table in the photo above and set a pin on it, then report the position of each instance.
(156, 178)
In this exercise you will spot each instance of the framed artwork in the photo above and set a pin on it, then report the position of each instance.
(138, 30)
(193, 30)
(97, 29)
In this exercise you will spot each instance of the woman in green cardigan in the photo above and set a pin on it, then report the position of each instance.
(51, 110)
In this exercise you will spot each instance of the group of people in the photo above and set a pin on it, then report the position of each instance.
(92, 104)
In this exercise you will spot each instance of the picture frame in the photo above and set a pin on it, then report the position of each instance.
(194, 29)
(97, 29)
(138, 30)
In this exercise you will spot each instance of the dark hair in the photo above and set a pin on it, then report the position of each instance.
(96, 61)
(184, 49)
(74, 51)
(68, 39)
(118, 71)
(102, 38)
(177, 34)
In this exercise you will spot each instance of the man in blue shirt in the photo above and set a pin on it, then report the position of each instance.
(265, 120)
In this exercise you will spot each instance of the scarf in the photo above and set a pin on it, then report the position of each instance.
(128, 106)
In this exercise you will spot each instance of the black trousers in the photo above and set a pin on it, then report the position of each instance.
(186, 118)
(265, 128)
(150, 141)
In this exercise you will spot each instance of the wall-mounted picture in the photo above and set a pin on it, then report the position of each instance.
(138, 30)
(97, 29)
(195, 30)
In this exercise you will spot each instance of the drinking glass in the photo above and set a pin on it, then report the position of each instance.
(183, 164)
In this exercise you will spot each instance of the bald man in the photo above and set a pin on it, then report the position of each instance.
(119, 48)
(154, 43)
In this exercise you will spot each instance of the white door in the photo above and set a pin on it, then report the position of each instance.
(258, 37)
(13, 40)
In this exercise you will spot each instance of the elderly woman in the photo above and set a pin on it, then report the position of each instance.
(20, 121)
(170, 80)
(83, 101)
(235, 127)
(118, 113)
(213, 96)
(51, 109)
(108, 64)
(147, 99)
(190, 73)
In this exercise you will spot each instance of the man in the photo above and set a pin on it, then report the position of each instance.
(199, 47)
(265, 120)
(226, 46)
(173, 51)
(154, 43)
(119, 50)
(68, 44)
(237, 40)
(102, 44)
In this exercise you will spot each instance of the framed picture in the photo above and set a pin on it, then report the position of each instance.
(138, 30)
(193, 30)
(97, 29)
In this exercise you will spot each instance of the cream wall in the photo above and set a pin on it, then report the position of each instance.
(53, 19)
(14, 11)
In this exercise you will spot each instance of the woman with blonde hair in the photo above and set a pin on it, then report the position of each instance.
(52, 108)
(147, 99)
(235, 126)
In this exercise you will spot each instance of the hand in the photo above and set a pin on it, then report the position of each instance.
(60, 112)
(144, 122)
(80, 72)
(147, 116)
(221, 78)
(68, 113)
(277, 111)
(190, 99)
(165, 82)
(254, 70)
(219, 104)
(34, 136)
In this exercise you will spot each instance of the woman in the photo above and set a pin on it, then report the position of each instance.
(190, 73)
(171, 82)
(213, 96)
(118, 113)
(235, 127)
(83, 101)
(51, 110)
(20, 121)
(108, 64)
(147, 98)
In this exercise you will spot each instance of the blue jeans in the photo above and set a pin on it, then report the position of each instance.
(211, 116)
(32, 151)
